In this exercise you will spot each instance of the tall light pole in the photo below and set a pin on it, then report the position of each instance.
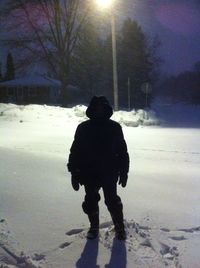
(114, 55)
(106, 4)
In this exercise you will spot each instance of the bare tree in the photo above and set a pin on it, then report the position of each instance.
(45, 31)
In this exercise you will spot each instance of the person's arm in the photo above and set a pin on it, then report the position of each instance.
(123, 158)
(73, 161)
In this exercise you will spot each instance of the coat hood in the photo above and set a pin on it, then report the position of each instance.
(96, 102)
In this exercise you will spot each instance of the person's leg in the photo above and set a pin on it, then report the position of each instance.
(91, 208)
(114, 204)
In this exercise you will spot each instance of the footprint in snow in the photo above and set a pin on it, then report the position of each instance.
(178, 238)
(75, 231)
(190, 230)
(64, 245)
(80, 230)
(147, 243)
(165, 230)
(105, 224)
(168, 252)
(38, 257)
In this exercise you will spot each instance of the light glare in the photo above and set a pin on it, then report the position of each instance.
(104, 3)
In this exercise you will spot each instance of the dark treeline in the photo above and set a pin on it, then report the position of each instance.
(136, 62)
(184, 87)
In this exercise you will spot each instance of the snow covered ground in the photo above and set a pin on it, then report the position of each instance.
(41, 222)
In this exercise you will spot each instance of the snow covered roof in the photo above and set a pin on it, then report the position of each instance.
(32, 80)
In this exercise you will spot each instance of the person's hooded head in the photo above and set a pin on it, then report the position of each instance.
(99, 109)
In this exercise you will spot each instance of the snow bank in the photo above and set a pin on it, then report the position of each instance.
(13, 112)
(28, 113)
(135, 118)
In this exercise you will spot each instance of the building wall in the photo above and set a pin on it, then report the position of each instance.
(25, 95)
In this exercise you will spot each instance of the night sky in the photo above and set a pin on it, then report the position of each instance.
(176, 22)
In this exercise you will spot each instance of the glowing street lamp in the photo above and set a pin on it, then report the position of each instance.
(104, 4)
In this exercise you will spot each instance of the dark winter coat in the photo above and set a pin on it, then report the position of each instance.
(99, 145)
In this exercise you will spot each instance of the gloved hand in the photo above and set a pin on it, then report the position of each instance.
(123, 177)
(75, 180)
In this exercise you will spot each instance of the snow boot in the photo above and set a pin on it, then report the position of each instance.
(94, 225)
(119, 225)
(120, 234)
(92, 233)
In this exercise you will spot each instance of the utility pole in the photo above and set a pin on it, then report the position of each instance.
(114, 55)
(129, 94)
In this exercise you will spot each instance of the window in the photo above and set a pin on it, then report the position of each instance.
(32, 92)
(20, 92)
(10, 91)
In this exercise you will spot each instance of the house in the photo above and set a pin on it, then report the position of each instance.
(30, 89)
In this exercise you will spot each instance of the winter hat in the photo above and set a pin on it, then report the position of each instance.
(96, 101)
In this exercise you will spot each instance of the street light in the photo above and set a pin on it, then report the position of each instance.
(104, 4)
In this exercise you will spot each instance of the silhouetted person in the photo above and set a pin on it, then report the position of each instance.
(99, 159)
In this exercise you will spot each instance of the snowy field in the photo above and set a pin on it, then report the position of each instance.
(41, 221)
